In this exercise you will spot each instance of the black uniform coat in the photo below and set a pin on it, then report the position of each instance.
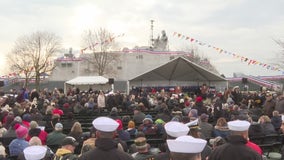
(235, 149)
(106, 149)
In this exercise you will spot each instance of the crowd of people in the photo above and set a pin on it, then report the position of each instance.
(193, 126)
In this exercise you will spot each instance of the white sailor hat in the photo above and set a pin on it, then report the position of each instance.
(34, 152)
(186, 144)
(105, 124)
(192, 123)
(176, 129)
(238, 125)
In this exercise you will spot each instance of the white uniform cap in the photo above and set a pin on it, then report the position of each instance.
(282, 117)
(176, 129)
(186, 144)
(238, 125)
(34, 152)
(192, 123)
(105, 124)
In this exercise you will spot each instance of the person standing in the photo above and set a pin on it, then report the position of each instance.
(236, 148)
(173, 130)
(205, 128)
(106, 146)
(101, 101)
(186, 148)
(269, 105)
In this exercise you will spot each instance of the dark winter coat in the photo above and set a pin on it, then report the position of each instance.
(280, 105)
(234, 149)
(267, 128)
(106, 149)
(268, 107)
(276, 122)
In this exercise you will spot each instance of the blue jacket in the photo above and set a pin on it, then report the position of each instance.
(17, 146)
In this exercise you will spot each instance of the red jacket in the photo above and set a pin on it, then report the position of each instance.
(254, 146)
(42, 135)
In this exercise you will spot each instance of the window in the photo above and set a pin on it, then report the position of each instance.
(139, 57)
(69, 64)
(66, 65)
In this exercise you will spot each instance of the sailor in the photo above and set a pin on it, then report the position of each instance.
(35, 152)
(236, 148)
(186, 148)
(173, 129)
(106, 147)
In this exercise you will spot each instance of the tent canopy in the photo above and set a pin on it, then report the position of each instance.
(179, 69)
(87, 80)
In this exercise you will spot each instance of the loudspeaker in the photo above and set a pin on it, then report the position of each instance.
(1, 83)
(110, 80)
(244, 80)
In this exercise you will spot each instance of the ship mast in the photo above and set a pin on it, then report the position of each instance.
(151, 34)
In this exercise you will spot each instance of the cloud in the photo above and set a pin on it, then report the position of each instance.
(240, 26)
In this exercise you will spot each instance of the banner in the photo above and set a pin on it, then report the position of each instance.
(244, 59)
(109, 40)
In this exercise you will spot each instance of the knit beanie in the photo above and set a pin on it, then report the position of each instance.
(21, 131)
(120, 127)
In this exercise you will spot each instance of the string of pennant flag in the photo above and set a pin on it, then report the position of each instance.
(109, 40)
(244, 59)
(17, 74)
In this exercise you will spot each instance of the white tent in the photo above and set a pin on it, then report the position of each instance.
(85, 82)
(178, 71)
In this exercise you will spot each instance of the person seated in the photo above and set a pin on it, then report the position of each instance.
(122, 134)
(215, 142)
(35, 141)
(55, 137)
(67, 149)
(148, 127)
(36, 131)
(266, 125)
(276, 120)
(19, 144)
(138, 115)
(131, 129)
(142, 149)
(90, 142)
(221, 128)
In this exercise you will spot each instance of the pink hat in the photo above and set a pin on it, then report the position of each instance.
(120, 127)
(21, 131)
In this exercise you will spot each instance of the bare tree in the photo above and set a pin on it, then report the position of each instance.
(193, 56)
(101, 42)
(33, 55)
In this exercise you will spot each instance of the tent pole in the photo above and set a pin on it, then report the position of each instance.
(65, 88)
(227, 84)
(127, 87)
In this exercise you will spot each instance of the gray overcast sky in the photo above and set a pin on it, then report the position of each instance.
(245, 27)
